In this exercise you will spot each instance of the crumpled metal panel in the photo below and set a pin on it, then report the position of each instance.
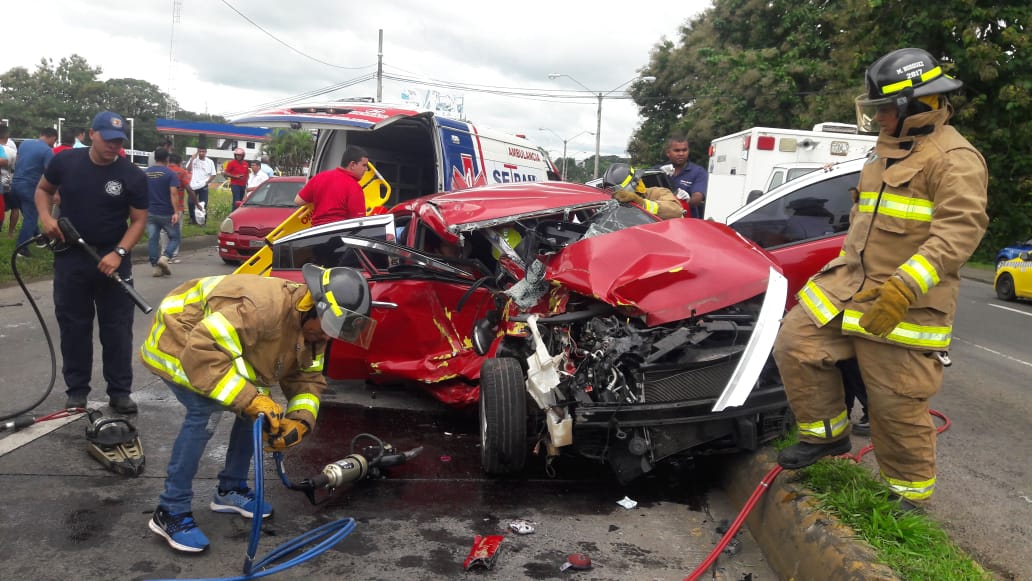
(668, 270)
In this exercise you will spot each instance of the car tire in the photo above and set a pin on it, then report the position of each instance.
(1005, 287)
(503, 416)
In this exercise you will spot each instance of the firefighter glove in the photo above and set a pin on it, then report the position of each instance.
(263, 404)
(891, 301)
(291, 433)
(626, 197)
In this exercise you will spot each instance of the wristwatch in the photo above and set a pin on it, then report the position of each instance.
(121, 251)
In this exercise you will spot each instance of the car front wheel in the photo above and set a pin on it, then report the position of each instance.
(1005, 287)
(503, 416)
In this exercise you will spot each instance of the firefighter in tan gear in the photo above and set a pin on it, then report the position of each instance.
(629, 187)
(219, 343)
(889, 299)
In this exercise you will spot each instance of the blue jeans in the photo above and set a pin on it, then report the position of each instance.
(202, 417)
(155, 224)
(238, 195)
(30, 215)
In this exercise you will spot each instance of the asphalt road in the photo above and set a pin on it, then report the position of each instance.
(63, 516)
(984, 490)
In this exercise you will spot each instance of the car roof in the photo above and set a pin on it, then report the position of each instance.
(845, 167)
(287, 179)
(505, 201)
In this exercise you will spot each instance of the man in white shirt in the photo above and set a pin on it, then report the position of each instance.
(202, 172)
(257, 176)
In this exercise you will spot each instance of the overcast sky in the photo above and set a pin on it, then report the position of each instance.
(223, 63)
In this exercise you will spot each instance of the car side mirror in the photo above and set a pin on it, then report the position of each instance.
(753, 195)
(484, 332)
(1025, 256)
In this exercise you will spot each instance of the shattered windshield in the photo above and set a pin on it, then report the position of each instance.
(615, 217)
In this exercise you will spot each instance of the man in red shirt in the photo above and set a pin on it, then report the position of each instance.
(236, 171)
(335, 194)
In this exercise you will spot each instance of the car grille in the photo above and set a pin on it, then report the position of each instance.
(256, 232)
(699, 383)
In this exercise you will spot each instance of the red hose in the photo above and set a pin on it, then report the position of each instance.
(763, 486)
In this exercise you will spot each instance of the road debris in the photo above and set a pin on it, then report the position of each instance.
(577, 562)
(627, 503)
(521, 527)
(484, 551)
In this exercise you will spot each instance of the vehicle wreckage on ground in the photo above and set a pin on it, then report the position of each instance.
(575, 323)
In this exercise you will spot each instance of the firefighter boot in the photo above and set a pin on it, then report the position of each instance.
(803, 454)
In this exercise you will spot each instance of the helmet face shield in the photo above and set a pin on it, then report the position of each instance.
(867, 109)
(346, 325)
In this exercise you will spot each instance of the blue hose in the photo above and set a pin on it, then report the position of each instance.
(324, 536)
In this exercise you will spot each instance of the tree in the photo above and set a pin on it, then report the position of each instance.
(290, 151)
(795, 63)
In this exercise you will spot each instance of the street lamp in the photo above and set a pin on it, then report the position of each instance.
(132, 134)
(600, 96)
(60, 120)
(565, 141)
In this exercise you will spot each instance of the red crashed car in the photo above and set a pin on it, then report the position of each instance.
(573, 321)
(243, 232)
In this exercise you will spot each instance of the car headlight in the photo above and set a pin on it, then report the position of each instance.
(227, 226)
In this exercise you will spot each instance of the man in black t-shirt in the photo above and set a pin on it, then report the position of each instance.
(100, 191)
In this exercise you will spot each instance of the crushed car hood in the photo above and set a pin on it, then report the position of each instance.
(669, 270)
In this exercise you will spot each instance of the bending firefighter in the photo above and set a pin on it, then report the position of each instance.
(218, 343)
(629, 187)
(889, 298)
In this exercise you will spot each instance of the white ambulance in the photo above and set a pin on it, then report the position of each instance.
(744, 165)
(417, 152)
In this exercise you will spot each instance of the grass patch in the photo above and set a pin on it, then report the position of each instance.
(912, 544)
(41, 264)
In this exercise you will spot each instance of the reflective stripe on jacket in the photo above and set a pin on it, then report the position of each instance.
(232, 337)
(920, 216)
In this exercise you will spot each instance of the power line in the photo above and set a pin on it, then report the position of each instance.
(274, 37)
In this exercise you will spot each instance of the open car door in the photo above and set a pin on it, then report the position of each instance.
(422, 335)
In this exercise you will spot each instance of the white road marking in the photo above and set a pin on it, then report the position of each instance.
(34, 432)
(1019, 311)
(995, 352)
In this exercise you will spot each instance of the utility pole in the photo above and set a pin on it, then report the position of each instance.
(379, 70)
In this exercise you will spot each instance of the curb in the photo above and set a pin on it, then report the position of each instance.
(798, 540)
(140, 251)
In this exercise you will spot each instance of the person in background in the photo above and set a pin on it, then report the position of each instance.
(257, 177)
(67, 142)
(80, 138)
(202, 172)
(105, 198)
(33, 157)
(163, 212)
(335, 193)
(689, 180)
(237, 171)
(175, 163)
(890, 298)
(266, 167)
(6, 173)
(219, 344)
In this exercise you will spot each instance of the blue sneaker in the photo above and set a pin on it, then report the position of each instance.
(179, 530)
(240, 502)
